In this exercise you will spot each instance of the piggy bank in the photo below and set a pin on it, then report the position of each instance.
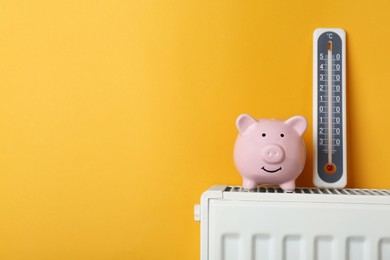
(270, 151)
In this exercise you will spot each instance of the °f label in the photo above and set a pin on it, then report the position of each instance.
(329, 109)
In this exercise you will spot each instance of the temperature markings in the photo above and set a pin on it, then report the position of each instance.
(324, 142)
(324, 110)
(323, 88)
(324, 57)
(335, 131)
(335, 67)
(333, 80)
(324, 119)
(326, 151)
(324, 98)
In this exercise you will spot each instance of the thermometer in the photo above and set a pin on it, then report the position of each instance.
(329, 109)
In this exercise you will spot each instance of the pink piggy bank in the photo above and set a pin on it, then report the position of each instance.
(269, 151)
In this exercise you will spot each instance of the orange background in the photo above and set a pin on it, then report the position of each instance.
(117, 115)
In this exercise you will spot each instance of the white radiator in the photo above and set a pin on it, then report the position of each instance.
(311, 223)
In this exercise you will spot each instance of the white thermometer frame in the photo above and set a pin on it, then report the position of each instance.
(318, 182)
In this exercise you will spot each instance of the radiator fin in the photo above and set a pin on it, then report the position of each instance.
(292, 247)
(230, 247)
(356, 248)
(370, 192)
(323, 248)
(384, 249)
(261, 245)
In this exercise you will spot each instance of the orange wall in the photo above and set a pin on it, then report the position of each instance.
(117, 115)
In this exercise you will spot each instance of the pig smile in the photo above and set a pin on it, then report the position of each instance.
(271, 171)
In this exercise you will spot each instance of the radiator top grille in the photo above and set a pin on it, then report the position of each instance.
(370, 192)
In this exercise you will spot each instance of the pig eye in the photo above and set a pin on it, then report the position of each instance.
(281, 135)
(263, 134)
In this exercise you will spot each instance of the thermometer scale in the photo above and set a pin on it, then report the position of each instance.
(329, 109)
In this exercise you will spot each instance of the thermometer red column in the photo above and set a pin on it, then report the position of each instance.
(330, 167)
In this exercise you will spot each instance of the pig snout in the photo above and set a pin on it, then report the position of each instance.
(272, 153)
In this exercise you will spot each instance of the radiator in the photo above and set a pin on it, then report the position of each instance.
(310, 223)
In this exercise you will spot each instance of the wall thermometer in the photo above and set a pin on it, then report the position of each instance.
(329, 109)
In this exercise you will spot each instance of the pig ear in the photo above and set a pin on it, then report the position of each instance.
(299, 123)
(243, 122)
